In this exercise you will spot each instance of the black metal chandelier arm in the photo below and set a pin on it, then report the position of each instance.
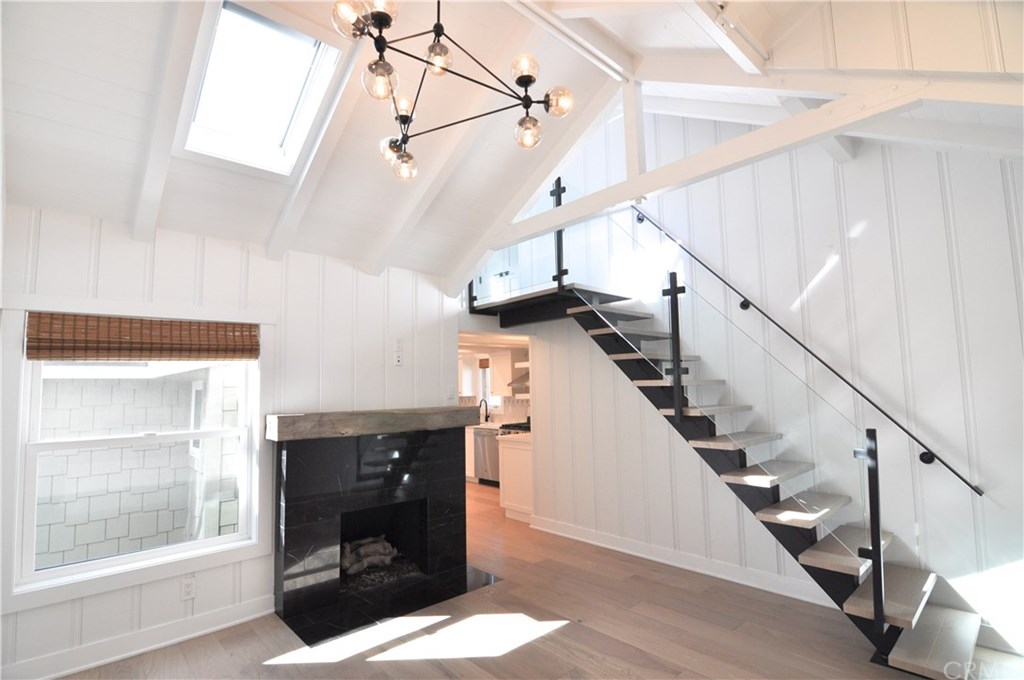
(477, 62)
(464, 120)
(515, 96)
(410, 37)
(416, 99)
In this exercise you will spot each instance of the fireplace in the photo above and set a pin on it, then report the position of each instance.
(408, 486)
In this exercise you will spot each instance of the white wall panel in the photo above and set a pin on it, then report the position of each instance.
(160, 602)
(215, 588)
(18, 250)
(67, 241)
(43, 631)
(947, 36)
(222, 273)
(865, 35)
(123, 265)
(339, 359)
(370, 338)
(580, 365)
(174, 267)
(302, 344)
(399, 324)
(106, 615)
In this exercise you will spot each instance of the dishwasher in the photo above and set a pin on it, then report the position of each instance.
(485, 455)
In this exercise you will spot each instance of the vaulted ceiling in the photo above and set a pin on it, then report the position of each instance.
(97, 97)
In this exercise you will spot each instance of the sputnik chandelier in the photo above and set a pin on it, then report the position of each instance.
(356, 19)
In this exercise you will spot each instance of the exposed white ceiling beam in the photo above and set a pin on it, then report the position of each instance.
(721, 74)
(582, 37)
(633, 127)
(595, 9)
(805, 128)
(840, 148)
(728, 32)
(993, 141)
(307, 179)
(187, 22)
(584, 121)
(726, 112)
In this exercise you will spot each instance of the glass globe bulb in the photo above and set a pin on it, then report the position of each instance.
(404, 165)
(401, 109)
(527, 132)
(558, 101)
(390, 147)
(525, 70)
(380, 79)
(440, 58)
(383, 12)
(350, 18)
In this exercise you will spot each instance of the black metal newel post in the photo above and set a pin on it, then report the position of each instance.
(561, 272)
(471, 294)
(874, 551)
(673, 292)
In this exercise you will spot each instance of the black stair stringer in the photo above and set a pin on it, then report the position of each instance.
(639, 369)
(836, 585)
(693, 427)
(721, 462)
(794, 539)
(755, 497)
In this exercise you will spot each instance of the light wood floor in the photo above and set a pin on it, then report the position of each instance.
(627, 618)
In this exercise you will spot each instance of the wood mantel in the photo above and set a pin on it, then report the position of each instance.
(292, 426)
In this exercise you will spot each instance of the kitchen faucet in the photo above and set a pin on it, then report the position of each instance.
(487, 412)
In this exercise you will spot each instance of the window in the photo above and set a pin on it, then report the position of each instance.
(262, 88)
(132, 457)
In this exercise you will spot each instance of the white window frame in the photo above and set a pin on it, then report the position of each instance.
(27, 580)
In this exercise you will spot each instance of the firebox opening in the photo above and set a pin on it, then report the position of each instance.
(403, 526)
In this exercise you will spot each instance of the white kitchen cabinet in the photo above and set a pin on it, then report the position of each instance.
(504, 368)
(515, 462)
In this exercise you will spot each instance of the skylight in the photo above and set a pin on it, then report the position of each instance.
(263, 86)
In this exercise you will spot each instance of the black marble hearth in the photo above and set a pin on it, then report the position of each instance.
(407, 486)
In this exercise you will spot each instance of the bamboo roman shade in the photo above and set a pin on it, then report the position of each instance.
(78, 337)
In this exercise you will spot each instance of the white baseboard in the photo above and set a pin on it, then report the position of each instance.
(806, 591)
(137, 642)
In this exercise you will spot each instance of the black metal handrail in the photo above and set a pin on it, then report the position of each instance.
(926, 456)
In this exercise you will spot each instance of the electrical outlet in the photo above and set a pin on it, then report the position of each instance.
(188, 587)
(399, 359)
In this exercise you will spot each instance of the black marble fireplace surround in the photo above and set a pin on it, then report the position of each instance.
(408, 486)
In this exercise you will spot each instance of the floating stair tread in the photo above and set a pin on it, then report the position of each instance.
(632, 332)
(685, 382)
(838, 551)
(806, 512)
(906, 591)
(735, 441)
(767, 474)
(940, 646)
(651, 356)
(714, 410)
(609, 312)
(997, 665)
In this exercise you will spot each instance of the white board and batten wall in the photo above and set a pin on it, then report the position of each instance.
(328, 336)
(921, 309)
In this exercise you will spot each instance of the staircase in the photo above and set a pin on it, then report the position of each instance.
(917, 637)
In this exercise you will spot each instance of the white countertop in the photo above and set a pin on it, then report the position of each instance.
(522, 438)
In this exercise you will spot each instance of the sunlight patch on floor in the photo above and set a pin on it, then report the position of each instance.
(356, 642)
(482, 635)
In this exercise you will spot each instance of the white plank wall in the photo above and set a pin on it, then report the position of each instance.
(914, 256)
(328, 332)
